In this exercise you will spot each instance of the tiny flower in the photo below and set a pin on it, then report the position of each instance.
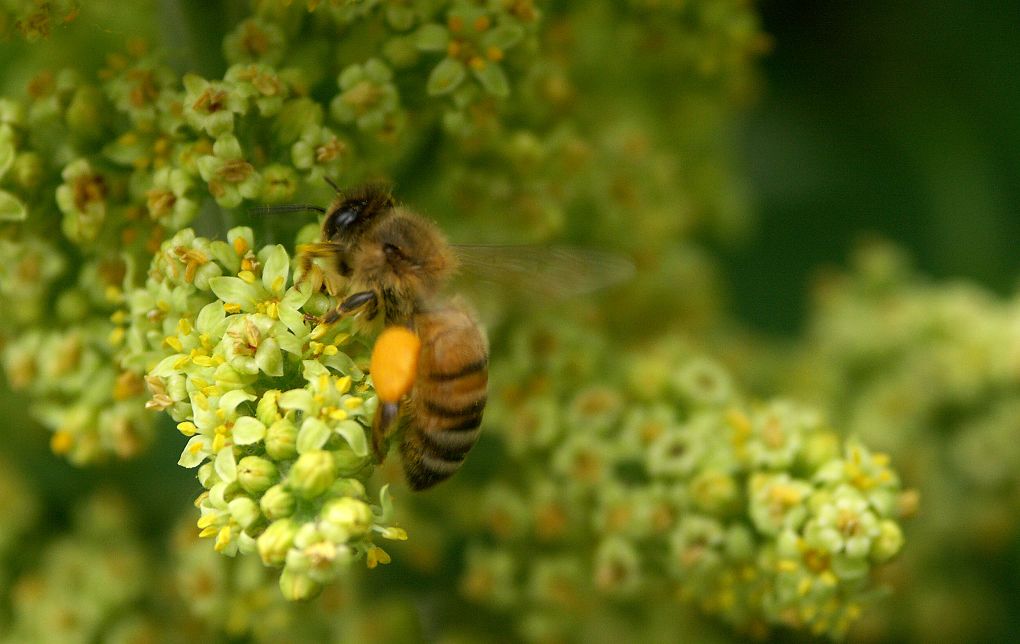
(213, 419)
(230, 178)
(254, 40)
(320, 153)
(168, 199)
(260, 84)
(844, 524)
(210, 106)
(778, 501)
(368, 96)
(703, 382)
(83, 200)
(777, 435)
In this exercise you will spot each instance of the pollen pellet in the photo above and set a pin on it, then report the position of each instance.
(395, 362)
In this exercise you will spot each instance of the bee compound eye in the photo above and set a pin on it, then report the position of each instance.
(346, 217)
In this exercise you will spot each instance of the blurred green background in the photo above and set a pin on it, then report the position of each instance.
(892, 119)
(899, 119)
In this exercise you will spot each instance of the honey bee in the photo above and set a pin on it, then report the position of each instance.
(430, 365)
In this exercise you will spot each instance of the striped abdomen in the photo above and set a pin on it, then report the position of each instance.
(445, 409)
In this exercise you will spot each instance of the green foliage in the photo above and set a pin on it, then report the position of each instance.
(620, 474)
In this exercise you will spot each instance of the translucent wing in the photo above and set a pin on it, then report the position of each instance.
(548, 272)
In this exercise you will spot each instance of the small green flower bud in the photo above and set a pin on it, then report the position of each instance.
(279, 185)
(86, 112)
(348, 463)
(312, 474)
(277, 503)
(256, 474)
(277, 539)
(295, 586)
(888, 542)
(267, 411)
(346, 519)
(244, 510)
(27, 170)
(348, 487)
(281, 440)
(715, 492)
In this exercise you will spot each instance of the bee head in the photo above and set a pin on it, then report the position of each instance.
(352, 213)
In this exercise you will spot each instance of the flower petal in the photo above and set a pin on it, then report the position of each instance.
(269, 358)
(234, 290)
(313, 435)
(248, 430)
(354, 434)
(195, 451)
(226, 464)
(300, 399)
(275, 269)
(230, 400)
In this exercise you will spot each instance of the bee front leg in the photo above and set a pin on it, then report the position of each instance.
(308, 253)
(365, 299)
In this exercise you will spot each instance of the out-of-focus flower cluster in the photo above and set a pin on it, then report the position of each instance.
(275, 408)
(102, 580)
(34, 20)
(610, 478)
(657, 477)
(930, 373)
(79, 582)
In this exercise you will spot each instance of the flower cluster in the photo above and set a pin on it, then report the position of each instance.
(34, 20)
(275, 408)
(82, 580)
(759, 514)
(930, 373)
(604, 479)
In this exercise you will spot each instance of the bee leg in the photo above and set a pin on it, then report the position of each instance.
(385, 417)
(351, 304)
(310, 252)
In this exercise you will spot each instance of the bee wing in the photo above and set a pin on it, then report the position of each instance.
(549, 272)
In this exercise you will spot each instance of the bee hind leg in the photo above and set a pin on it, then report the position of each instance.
(385, 418)
(365, 299)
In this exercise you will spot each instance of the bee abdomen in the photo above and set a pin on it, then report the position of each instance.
(448, 399)
(438, 439)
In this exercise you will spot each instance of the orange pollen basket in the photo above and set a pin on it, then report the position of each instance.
(395, 363)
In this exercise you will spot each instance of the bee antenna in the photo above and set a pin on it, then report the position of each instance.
(287, 207)
(332, 184)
